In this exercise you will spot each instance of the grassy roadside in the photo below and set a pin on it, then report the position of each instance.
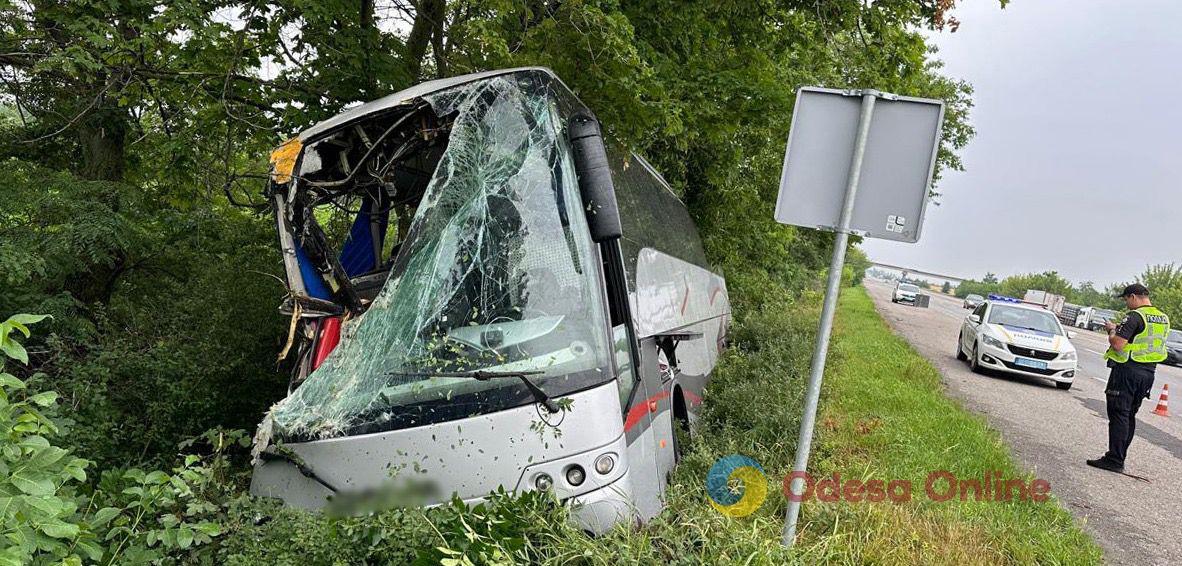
(884, 416)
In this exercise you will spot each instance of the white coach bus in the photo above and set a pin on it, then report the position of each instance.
(485, 295)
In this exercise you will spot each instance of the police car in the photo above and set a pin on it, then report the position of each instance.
(1006, 334)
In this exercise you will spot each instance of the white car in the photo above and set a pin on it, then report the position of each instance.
(1018, 338)
(905, 293)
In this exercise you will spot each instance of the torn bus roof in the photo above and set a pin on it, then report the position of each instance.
(407, 96)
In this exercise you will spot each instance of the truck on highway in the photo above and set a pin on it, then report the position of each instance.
(1069, 314)
(1051, 301)
(1093, 318)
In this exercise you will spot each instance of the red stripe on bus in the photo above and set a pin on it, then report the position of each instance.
(693, 399)
(714, 294)
(685, 301)
(637, 412)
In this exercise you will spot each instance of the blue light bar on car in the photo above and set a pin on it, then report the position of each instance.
(1003, 298)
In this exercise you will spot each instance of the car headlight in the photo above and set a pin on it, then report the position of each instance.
(992, 341)
(1068, 356)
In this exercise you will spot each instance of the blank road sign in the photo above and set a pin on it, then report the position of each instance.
(896, 167)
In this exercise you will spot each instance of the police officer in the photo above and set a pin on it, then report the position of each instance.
(1135, 348)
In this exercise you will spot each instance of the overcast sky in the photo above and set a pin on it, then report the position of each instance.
(1078, 154)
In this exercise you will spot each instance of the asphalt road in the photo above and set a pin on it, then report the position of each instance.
(1051, 432)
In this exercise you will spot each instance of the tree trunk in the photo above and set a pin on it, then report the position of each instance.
(427, 30)
(371, 41)
(102, 137)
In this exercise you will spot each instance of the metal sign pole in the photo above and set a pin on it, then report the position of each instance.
(833, 287)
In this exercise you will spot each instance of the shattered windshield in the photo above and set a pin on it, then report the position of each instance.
(497, 273)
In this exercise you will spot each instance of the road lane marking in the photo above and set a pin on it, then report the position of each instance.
(1094, 352)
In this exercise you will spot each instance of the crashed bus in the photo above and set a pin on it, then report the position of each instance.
(484, 295)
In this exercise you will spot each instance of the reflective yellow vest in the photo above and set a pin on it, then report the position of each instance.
(1148, 346)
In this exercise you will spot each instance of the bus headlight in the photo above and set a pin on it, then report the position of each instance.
(575, 475)
(543, 482)
(605, 464)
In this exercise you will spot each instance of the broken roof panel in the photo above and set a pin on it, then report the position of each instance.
(405, 96)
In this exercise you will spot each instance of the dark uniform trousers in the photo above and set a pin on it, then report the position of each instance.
(1128, 385)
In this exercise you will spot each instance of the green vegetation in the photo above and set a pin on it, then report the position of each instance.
(133, 141)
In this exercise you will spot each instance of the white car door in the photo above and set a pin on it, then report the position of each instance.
(972, 329)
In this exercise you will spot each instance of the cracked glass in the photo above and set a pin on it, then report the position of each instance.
(497, 273)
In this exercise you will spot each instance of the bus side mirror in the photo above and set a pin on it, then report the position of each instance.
(974, 319)
(595, 178)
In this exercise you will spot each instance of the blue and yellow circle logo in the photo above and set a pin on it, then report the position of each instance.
(743, 470)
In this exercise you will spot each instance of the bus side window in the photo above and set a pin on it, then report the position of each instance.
(626, 380)
(617, 301)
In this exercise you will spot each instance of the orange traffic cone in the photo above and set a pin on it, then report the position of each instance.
(1164, 402)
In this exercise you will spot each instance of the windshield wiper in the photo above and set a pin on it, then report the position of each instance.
(299, 464)
(482, 375)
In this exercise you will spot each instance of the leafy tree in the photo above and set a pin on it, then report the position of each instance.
(1050, 281)
(946, 288)
(1165, 288)
(132, 125)
(1086, 294)
(856, 266)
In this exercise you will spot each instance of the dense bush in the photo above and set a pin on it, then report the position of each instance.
(197, 513)
(164, 320)
(50, 514)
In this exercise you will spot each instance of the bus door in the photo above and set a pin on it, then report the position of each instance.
(641, 398)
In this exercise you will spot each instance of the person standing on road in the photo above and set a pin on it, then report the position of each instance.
(1135, 347)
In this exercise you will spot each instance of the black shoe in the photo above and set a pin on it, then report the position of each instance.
(1106, 464)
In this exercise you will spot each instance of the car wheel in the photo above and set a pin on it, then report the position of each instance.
(1063, 386)
(960, 349)
(974, 364)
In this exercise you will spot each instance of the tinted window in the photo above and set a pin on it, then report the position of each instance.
(651, 215)
(980, 311)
